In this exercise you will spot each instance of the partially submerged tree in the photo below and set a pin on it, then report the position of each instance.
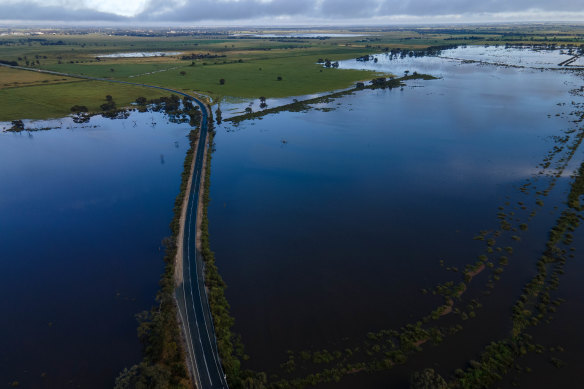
(263, 102)
(17, 125)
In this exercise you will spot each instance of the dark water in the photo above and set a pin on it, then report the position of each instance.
(326, 225)
(83, 211)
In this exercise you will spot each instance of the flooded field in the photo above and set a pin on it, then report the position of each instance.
(362, 239)
(84, 210)
(419, 212)
(139, 54)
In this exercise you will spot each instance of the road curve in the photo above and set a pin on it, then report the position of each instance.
(191, 295)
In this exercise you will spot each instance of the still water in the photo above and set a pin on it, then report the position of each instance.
(328, 223)
(83, 210)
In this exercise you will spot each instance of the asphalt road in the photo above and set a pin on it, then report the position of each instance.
(191, 296)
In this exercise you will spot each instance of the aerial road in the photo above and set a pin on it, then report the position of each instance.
(203, 359)
(191, 294)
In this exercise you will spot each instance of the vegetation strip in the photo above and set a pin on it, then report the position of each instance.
(164, 355)
(298, 106)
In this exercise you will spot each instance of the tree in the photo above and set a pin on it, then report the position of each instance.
(427, 379)
(17, 125)
(263, 104)
(110, 105)
(222, 81)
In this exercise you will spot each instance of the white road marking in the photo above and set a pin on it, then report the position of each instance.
(190, 340)
(191, 287)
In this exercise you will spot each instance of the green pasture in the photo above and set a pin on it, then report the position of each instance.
(53, 101)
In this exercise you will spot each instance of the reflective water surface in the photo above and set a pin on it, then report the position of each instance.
(327, 224)
(83, 211)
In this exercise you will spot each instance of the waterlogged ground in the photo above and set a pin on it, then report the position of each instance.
(84, 208)
(339, 221)
(233, 107)
(303, 35)
(139, 54)
(458, 59)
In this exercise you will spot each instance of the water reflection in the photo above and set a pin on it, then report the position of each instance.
(335, 234)
(84, 208)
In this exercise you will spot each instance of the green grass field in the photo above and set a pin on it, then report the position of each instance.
(248, 68)
(300, 74)
(13, 78)
(53, 101)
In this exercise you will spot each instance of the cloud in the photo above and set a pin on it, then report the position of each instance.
(453, 7)
(293, 11)
(28, 10)
(201, 10)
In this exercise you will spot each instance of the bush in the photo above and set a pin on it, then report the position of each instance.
(79, 108)
(427, 379)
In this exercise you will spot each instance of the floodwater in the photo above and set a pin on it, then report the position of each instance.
(327, 224)
(450, 59)
(83, 211)
(305, 35)
(139, 54)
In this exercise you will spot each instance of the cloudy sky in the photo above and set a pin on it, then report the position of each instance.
(286, 12)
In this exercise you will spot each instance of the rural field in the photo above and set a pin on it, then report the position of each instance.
(249, 65)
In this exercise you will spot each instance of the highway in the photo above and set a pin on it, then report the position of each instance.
(191, 295)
